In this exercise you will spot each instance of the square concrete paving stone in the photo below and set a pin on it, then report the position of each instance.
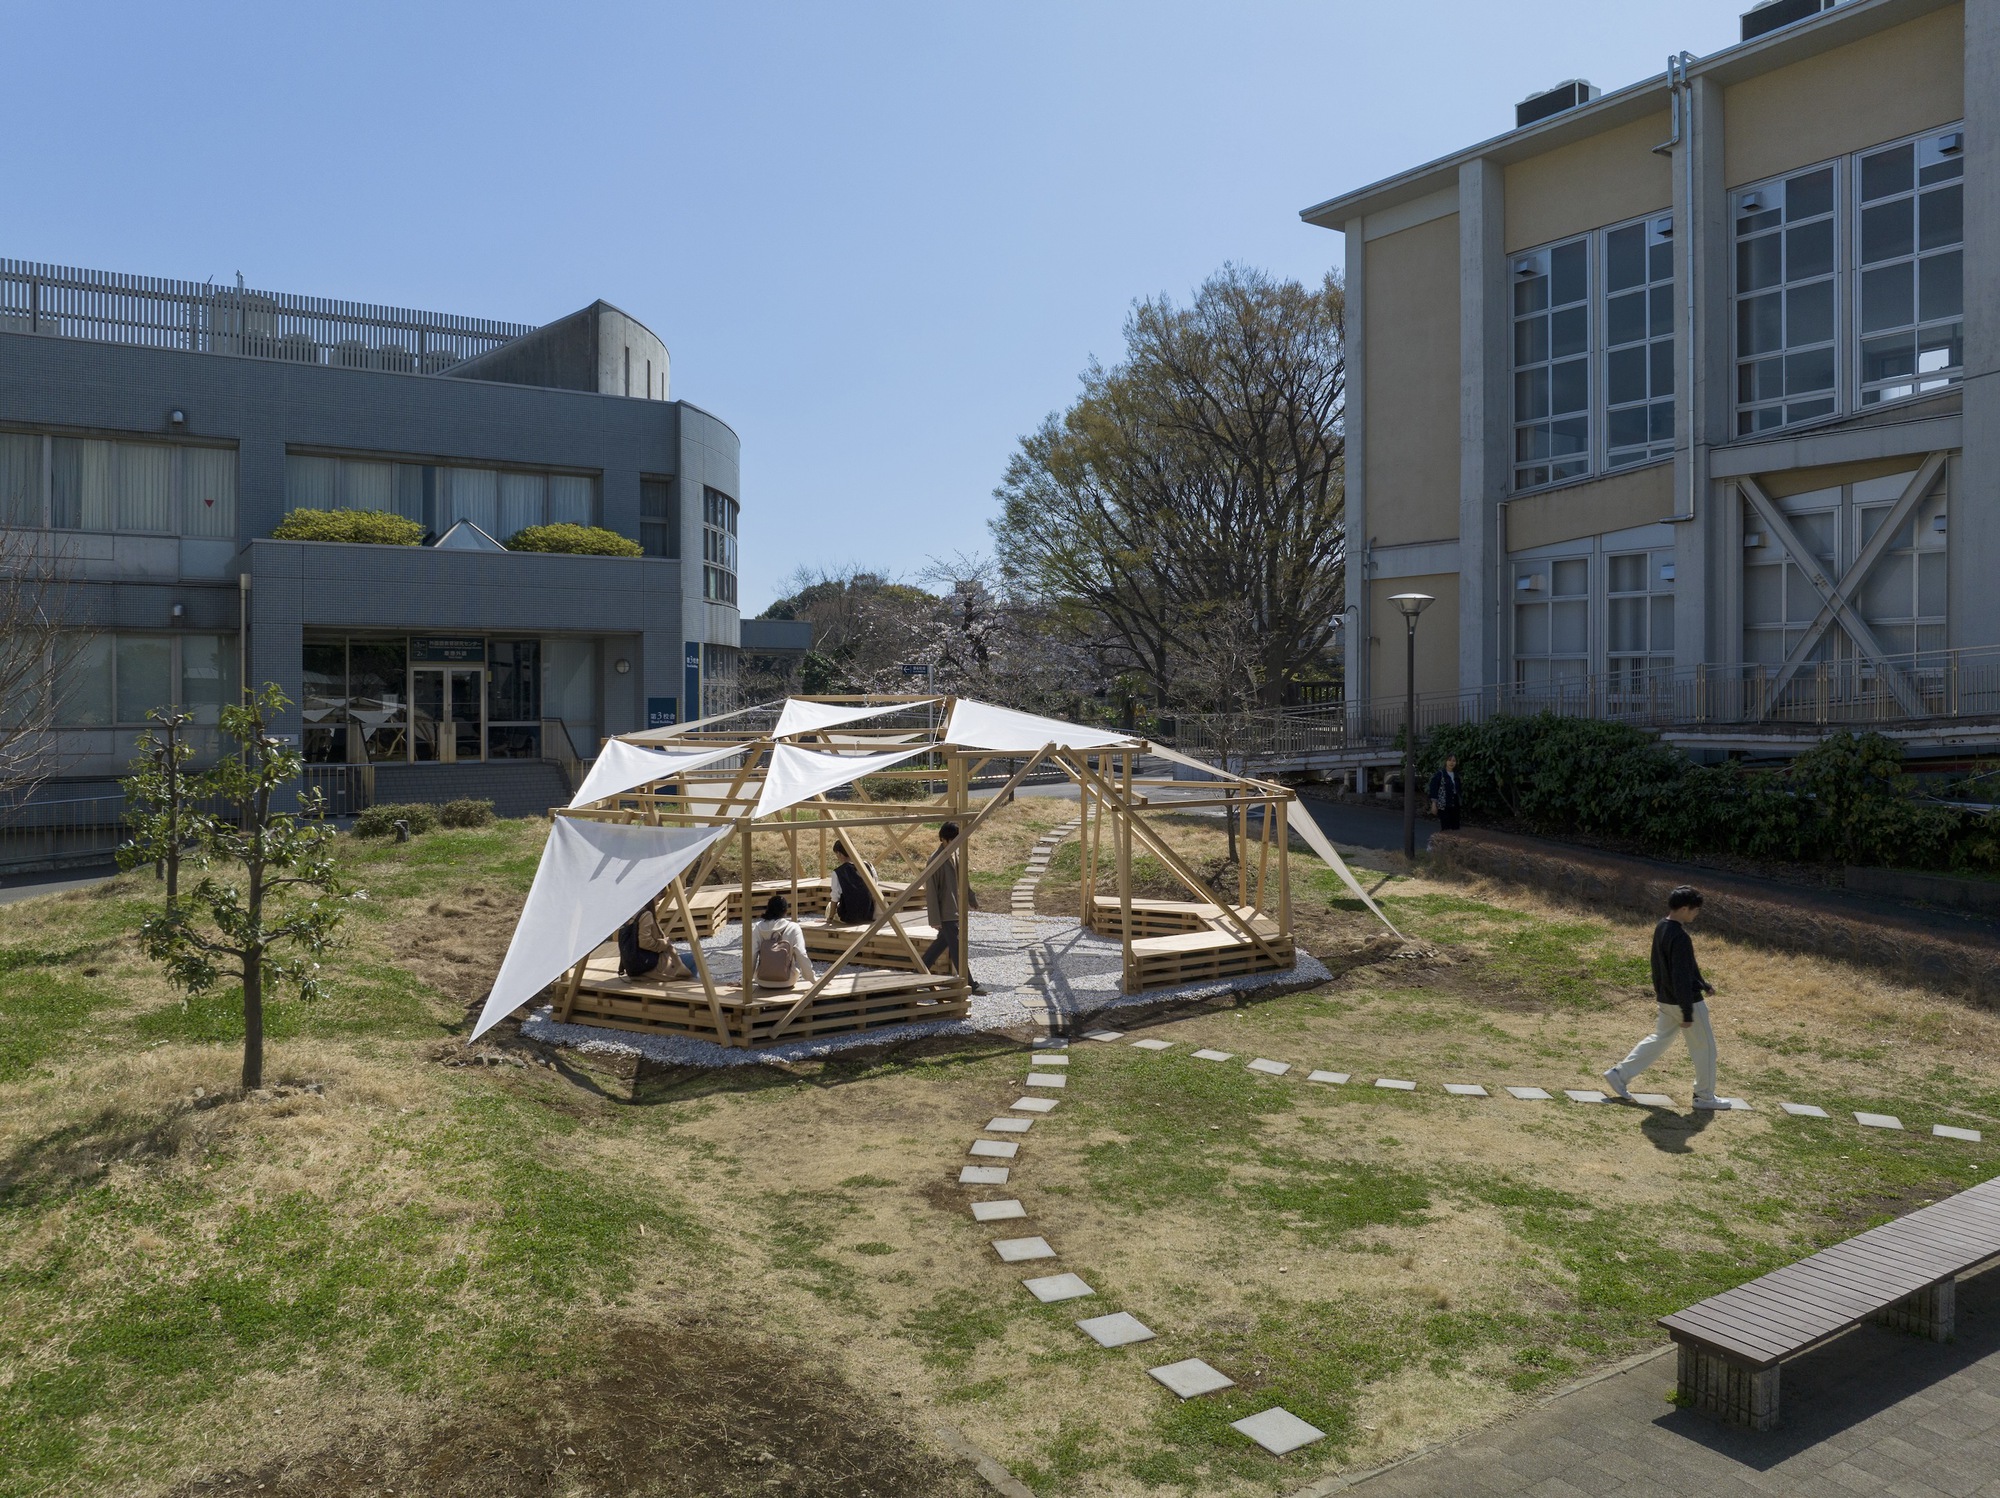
(995, 1149)
(1394, 1085)
(1208, 1055)
(1104, 1035)
(1878, 1120)
(1054, 1287)
(1009, 1125)
(982, 1175)
(1652, 1100)
(1530, 1094)
(1051, 1043)
(1053, 1058)
(1046, 1079)
(1946, 1131)
(1119, 1329)
(1331, 1078)
(1190, 1377)
(1033, 1105)
(1733, 1105)
(1278, 1430)
(1152, 1045)
(997, 1211)
(1020, 1250)
(1270, 1068)
(1465, 1089)
(1803, 1110)
(1583, 1095)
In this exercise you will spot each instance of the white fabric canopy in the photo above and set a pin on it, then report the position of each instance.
(593, 876)
(1300, 821)
(797, 774)
(621, 766)
(978, 725)
(800, 716)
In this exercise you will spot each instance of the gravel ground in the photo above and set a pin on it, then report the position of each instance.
(1041, 972)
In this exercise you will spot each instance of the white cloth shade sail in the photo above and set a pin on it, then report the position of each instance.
(800, 716)
(593, 877)
(622, 767)
(796, 774)
(979, 725)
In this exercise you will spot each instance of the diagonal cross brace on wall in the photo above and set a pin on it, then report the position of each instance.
(1837, 598)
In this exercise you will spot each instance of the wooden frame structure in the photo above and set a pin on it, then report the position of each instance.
(876, 976)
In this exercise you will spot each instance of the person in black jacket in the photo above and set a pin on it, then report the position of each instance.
(1445, 795)
(1682, 994)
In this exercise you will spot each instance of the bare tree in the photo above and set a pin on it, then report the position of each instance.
(35, 646)
(1221, 678)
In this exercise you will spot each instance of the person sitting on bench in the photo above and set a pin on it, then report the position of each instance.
(778, 955)
(643, 949)
(848, 901)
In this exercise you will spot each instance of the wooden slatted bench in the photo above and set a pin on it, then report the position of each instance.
(884, 949)
(1151, 917)
(1165, 961)
(1903, 1274)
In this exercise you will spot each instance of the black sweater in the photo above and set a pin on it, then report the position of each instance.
(1677, 976)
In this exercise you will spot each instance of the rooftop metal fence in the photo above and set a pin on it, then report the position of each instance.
(201, 317)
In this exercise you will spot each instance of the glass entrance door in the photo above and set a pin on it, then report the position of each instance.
(447, 709)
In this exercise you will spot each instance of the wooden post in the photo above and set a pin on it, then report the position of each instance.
(882, 901)
(1124, 854)
(1284, 813)
(1241, 811)
(569, 990)
(962, 797)
(722, 1036)
(747, 881)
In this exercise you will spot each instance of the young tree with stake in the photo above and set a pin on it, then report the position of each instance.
(156, 795)
(277, 902)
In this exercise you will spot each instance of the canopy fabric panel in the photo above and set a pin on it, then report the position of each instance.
(800, 716)
(1300, 820)
(621, 766)
(678, 730)
(593, 877)
(979, 725)
(796, 774)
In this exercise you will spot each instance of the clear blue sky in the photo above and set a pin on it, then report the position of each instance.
(880, 240)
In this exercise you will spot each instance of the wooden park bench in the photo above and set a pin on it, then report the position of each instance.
(1903, 1274)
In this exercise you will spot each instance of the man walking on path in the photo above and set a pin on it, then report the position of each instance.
(1445, 794)
(1682, 993)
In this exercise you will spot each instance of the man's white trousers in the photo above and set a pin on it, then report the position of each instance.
(1667, 1026)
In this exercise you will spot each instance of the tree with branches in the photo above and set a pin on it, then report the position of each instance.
(277, 902)
(156, 798)
(1206, 468)
(36, 642)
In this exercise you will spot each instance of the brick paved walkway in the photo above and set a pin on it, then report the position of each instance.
(1873, 1412)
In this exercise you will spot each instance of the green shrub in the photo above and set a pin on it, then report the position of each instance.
(574, 540)
(380, 821)
(1846, 800)
(466, 813)
(367, 527)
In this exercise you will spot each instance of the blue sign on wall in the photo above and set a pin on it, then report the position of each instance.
(691, 661)
(661, 713)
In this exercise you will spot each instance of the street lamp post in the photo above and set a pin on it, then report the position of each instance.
(1411, 605)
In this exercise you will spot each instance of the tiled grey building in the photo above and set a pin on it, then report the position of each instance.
(153, 434)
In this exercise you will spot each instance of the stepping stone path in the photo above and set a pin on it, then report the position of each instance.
(1276, 1430)
(1031, 877)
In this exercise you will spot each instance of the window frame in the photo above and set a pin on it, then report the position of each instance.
(178, 483)
(1837, 276)
(1517, 262)
(1655, 451)
(1856, 207)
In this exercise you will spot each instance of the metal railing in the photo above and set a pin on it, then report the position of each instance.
(111, 307)
(80, 831)
(560, 747)
(1900, 692)
(345, 790)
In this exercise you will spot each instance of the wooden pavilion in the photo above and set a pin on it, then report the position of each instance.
(878, 772)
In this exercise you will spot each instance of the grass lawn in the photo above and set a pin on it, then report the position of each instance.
(390, 1272)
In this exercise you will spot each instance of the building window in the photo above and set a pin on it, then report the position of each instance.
(1911, 297)
(1779, 601)
(356, 700)
(1639, 342)
(1785, 334)
(1639, 623)
(92, 484)
(498, 501)
(113, 680)
(1551, 364)
(718, 547)
(659, 519)
(719, 680)
(513, 699)
(1551, 622)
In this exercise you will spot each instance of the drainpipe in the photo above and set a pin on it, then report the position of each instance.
(1680, 90)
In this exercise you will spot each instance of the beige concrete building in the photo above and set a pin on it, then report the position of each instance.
(1683, 401)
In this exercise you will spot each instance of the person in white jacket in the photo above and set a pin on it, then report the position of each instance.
(778, 956)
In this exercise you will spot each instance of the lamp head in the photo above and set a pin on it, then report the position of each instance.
(1412, 604)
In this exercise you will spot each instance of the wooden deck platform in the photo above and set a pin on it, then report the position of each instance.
(1203, 956)
(850, 1002)
(1903, 1273)
(1150, 917)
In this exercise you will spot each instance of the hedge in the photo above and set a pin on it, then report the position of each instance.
(381, 820)
(1847, 800)
(574, 540)
(367, 527)
(466, 813)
